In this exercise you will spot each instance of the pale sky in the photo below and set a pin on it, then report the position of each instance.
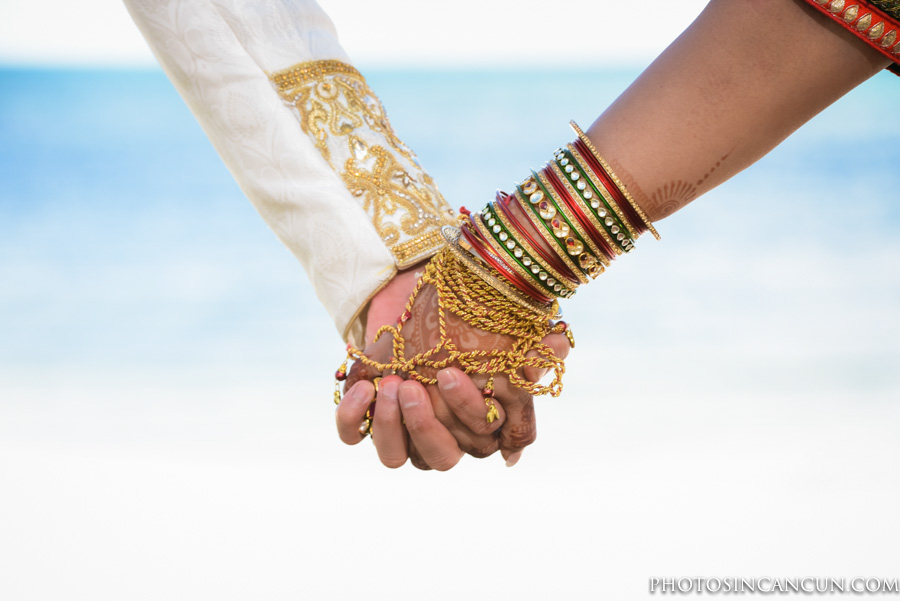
(382, 33)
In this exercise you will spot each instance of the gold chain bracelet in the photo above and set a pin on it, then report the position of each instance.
(474, 301)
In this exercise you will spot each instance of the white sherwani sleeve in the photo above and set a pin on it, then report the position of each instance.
(306, 139)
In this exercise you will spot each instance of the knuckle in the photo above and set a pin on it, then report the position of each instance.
(356, 373)
(482, 427)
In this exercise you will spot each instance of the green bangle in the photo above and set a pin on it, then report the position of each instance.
(537, 200)
(606, 210)
(528, 264)
(566, 210)
(567, 229)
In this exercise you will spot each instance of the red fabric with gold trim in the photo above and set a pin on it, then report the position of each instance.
(878, 29)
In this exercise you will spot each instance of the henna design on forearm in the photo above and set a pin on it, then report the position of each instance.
(671, 196)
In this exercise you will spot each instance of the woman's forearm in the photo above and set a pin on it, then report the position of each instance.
(738, 81)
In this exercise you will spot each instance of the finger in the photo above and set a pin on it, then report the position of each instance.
(359, 371)
(378, 351)
(388, 433)
(519, 431)
(415, 457)
(352, 411)
(477, 445)
(559, 344)
(432, 440)
(467, 402)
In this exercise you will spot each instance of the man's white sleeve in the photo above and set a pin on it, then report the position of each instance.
(306, 139)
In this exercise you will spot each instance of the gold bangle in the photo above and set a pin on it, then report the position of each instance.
(606, 195)
(540, 285)
(541, 227)
(563, 208)
(615, 179)
(544, 284)
(602, 230)
(452, 236)
(587, 260)
(526, 246)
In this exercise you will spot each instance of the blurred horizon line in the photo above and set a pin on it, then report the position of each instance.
(512, 68)
(379, 65)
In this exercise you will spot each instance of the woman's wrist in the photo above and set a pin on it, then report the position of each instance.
(561, 227)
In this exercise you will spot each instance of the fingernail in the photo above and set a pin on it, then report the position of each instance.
(513, 459)
(446, 379)
(388, 388)
(409, 397)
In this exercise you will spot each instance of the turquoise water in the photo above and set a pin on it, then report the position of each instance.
(165, 393)
(125, 242)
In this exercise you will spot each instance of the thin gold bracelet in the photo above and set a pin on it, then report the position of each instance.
(602, 190)
(453, 237)
(615, 179)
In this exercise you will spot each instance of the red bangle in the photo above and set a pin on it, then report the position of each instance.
(558, 265)
(499, 265)
(572, 205)
(549, 263)
(615, 194)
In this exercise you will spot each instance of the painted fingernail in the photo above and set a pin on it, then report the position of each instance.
(513, 459)
(409, 397)
(388, 387)
(446, 379)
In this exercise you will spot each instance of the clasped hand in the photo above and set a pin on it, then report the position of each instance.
(433, 426)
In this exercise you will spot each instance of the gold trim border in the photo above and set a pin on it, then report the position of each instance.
(309, 71)
(418, 249)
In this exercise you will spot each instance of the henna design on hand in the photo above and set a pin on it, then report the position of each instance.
(523, 433)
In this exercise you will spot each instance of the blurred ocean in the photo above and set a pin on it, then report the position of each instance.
(165, 413)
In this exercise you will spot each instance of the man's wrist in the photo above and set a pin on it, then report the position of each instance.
(388, 303)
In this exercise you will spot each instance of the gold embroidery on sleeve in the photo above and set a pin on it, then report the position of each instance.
(348, 125)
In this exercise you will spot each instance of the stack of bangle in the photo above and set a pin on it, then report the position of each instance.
(560, 228)
(579, 210)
